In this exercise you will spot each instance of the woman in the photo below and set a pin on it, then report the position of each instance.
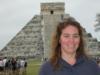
(68, 56)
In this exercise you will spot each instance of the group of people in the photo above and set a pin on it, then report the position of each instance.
(68, 53)
(13, 66)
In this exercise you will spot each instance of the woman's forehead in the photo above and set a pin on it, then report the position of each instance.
(70, 29)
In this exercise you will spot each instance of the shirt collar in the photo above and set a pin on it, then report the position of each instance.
(79, 60)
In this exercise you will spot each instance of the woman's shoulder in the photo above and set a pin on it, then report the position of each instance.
(92, 63)
(46, 65)
(46, 68)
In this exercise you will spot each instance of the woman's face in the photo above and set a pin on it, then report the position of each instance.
(69, 39)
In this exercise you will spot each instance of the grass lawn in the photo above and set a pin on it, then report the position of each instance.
(33, 67)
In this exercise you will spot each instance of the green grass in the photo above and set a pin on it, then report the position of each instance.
(33, 67)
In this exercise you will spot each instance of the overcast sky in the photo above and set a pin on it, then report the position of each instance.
(14, 15)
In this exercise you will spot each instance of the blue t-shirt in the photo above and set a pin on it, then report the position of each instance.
(83, 66)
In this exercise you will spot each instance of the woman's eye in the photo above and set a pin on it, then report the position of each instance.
(76, 36)
(66, 36)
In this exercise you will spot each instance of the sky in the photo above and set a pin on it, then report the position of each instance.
(14, 15)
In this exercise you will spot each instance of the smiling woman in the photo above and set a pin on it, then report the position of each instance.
(68, 56)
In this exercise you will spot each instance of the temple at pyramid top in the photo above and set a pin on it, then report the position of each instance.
(52, 8)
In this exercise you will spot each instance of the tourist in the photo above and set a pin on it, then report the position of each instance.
(1, 64)
(68, 54)
(14, 63)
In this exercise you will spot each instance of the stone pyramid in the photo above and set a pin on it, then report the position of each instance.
(35, 38)
(28, 42)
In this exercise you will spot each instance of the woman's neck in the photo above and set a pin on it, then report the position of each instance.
(69, 58)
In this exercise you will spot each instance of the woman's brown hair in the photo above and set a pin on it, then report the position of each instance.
(56, 47)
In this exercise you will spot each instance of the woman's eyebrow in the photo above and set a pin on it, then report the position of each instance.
(71, 34)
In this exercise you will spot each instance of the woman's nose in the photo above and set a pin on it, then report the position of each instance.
(71, 39)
